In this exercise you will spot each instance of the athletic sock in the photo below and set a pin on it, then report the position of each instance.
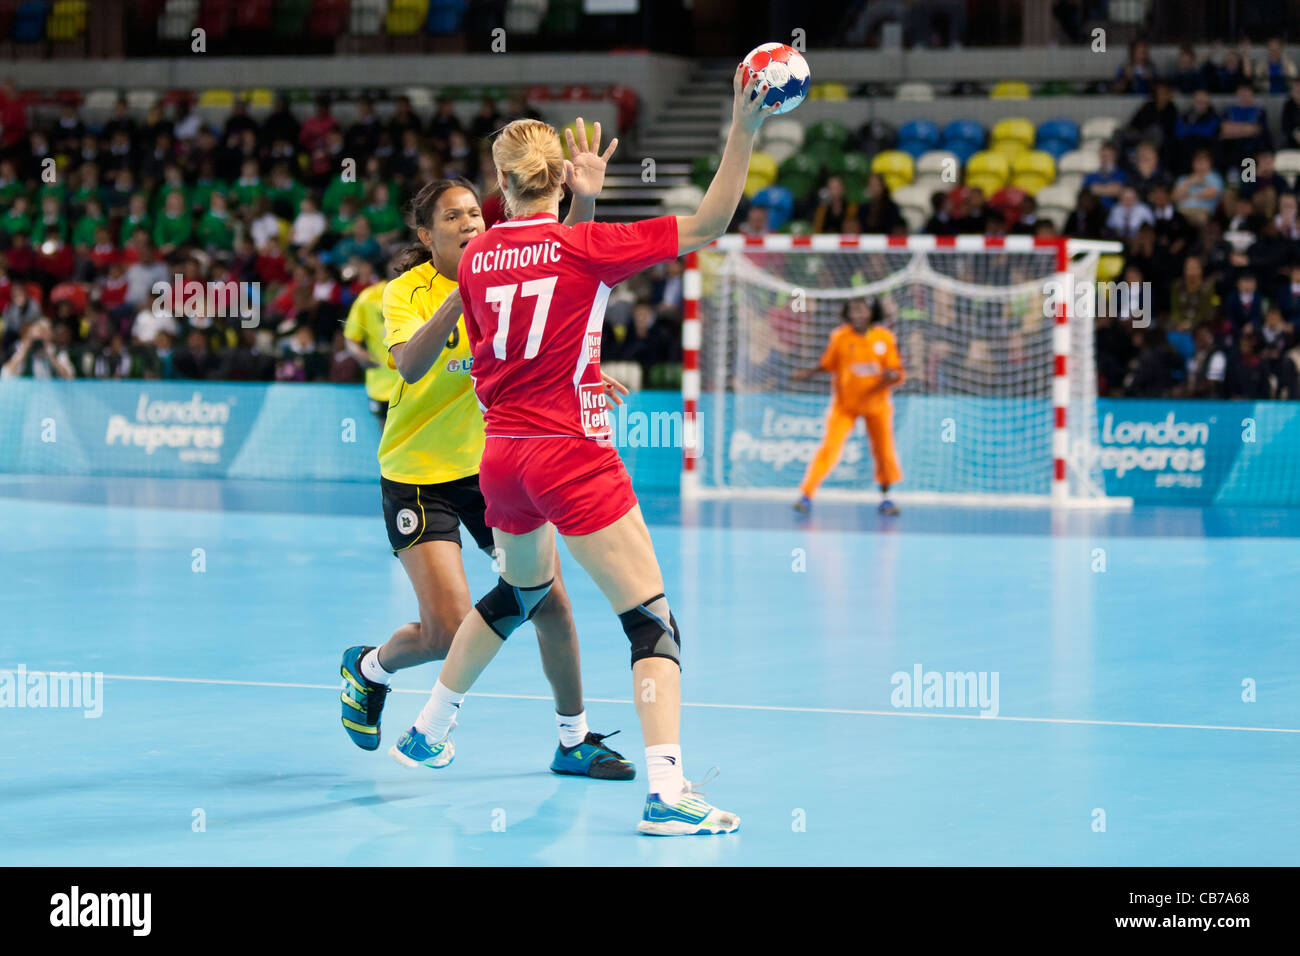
(439, 712)
(663, 764)
(372, 670)
(573, 729)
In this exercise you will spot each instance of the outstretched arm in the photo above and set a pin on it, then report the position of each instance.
(723, 195)
(585, 173)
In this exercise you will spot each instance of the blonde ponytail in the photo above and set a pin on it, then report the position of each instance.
(528, 152)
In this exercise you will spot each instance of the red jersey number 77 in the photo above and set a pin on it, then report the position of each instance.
(503, 296)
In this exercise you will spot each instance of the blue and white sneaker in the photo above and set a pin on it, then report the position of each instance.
(593, 758)
(887, 507)
(362, 699)
(688, 816)
(803, 505)
(414, 750)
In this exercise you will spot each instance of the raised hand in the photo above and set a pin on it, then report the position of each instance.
(585, 173)
(747, 109)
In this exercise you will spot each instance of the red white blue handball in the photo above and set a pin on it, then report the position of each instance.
(785, 71)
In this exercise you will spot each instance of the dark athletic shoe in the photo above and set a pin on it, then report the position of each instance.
(363, 700)
(592, 758)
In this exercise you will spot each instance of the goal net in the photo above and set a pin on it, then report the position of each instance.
(996, 338)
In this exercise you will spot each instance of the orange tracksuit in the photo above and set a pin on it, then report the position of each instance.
(858, 390)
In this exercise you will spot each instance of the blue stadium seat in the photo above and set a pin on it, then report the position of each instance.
(445, 16)
(29, 21)
(779, 203)
(1058, 136)
(917, 137)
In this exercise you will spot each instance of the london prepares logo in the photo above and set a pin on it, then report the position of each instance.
(194, 429)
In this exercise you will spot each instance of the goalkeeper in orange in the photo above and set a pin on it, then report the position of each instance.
(862, 358)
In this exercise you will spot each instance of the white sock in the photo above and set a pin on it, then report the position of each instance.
(663, 763)
(573, 729)
(372, 670)
(439, 712)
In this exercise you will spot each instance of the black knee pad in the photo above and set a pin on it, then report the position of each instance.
(506, 607)
(652, 629)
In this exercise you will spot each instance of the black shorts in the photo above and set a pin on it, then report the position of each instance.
(417, 513)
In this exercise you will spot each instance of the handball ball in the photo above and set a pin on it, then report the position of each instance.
(785, 71)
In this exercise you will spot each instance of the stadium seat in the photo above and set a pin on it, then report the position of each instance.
(1057, 195)
(704, 168)
(629, 104)
(937, 162)
(1032, 170)
(1010, 90)
(780, 130)
(421, 97)
(857, 165)
(1010, 148)
(406, 17)
(1056, 215)
(1071, 181)
(329, 18)
(1082, 161)
(914, 92)
(366, 17)
(178, 18)
(833, 92)
(795, 227)
(762, 173)
(629, 373)
(829, 157)
(917, 137)
(1099, 129)
(1015, 129)
(1287, 164)
(780, 151)
(917, 197)
(101, 101)
(67, 20)
(216, 18)
(141, 101)
(1006, 202)
(876, 135)
(683, 200)
(827, 131)
(896, 167)
(1061, 133)
(445, 17)
(30, 20)
(777, 200)
(524, 16)
(290, 19)
(562, 17)
(988, 170)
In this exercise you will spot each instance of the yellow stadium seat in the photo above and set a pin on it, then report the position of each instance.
(406, 17)
(1014, 128)
(67, 20)
(216, 99)
(1010, 90)
(1010, 148)
(988, 170)
(260, 98)
(1032, 170)
(762, 164)
(835, 92)
(896, 167)
(756, 182)
(1109, 267)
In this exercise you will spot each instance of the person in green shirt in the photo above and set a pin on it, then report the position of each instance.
(173, 182)
(88, 189)
(11, 187)
(338, 190)
(205, 186)
(137, 217)
(50, 217)
(248, 188)
(83, 235)
(285, 192)
(384, 218)
(17, 217)
(341, 224)
(215, 230)
(173, 227)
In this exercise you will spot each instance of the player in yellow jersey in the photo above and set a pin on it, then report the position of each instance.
(428, 460)
(364, 334)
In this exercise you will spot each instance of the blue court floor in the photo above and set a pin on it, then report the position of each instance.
(1114, 652)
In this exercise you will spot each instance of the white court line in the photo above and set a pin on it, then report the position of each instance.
(766, 707)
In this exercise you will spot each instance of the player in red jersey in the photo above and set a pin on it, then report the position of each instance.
(533, 292)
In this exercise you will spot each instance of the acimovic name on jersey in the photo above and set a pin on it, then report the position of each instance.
(518, 257)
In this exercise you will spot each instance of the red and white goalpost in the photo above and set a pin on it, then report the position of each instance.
(996, 336)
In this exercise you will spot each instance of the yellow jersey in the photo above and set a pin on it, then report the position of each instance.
(434, 430)
(365, 324)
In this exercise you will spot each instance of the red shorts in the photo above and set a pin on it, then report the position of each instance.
(574, 483)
